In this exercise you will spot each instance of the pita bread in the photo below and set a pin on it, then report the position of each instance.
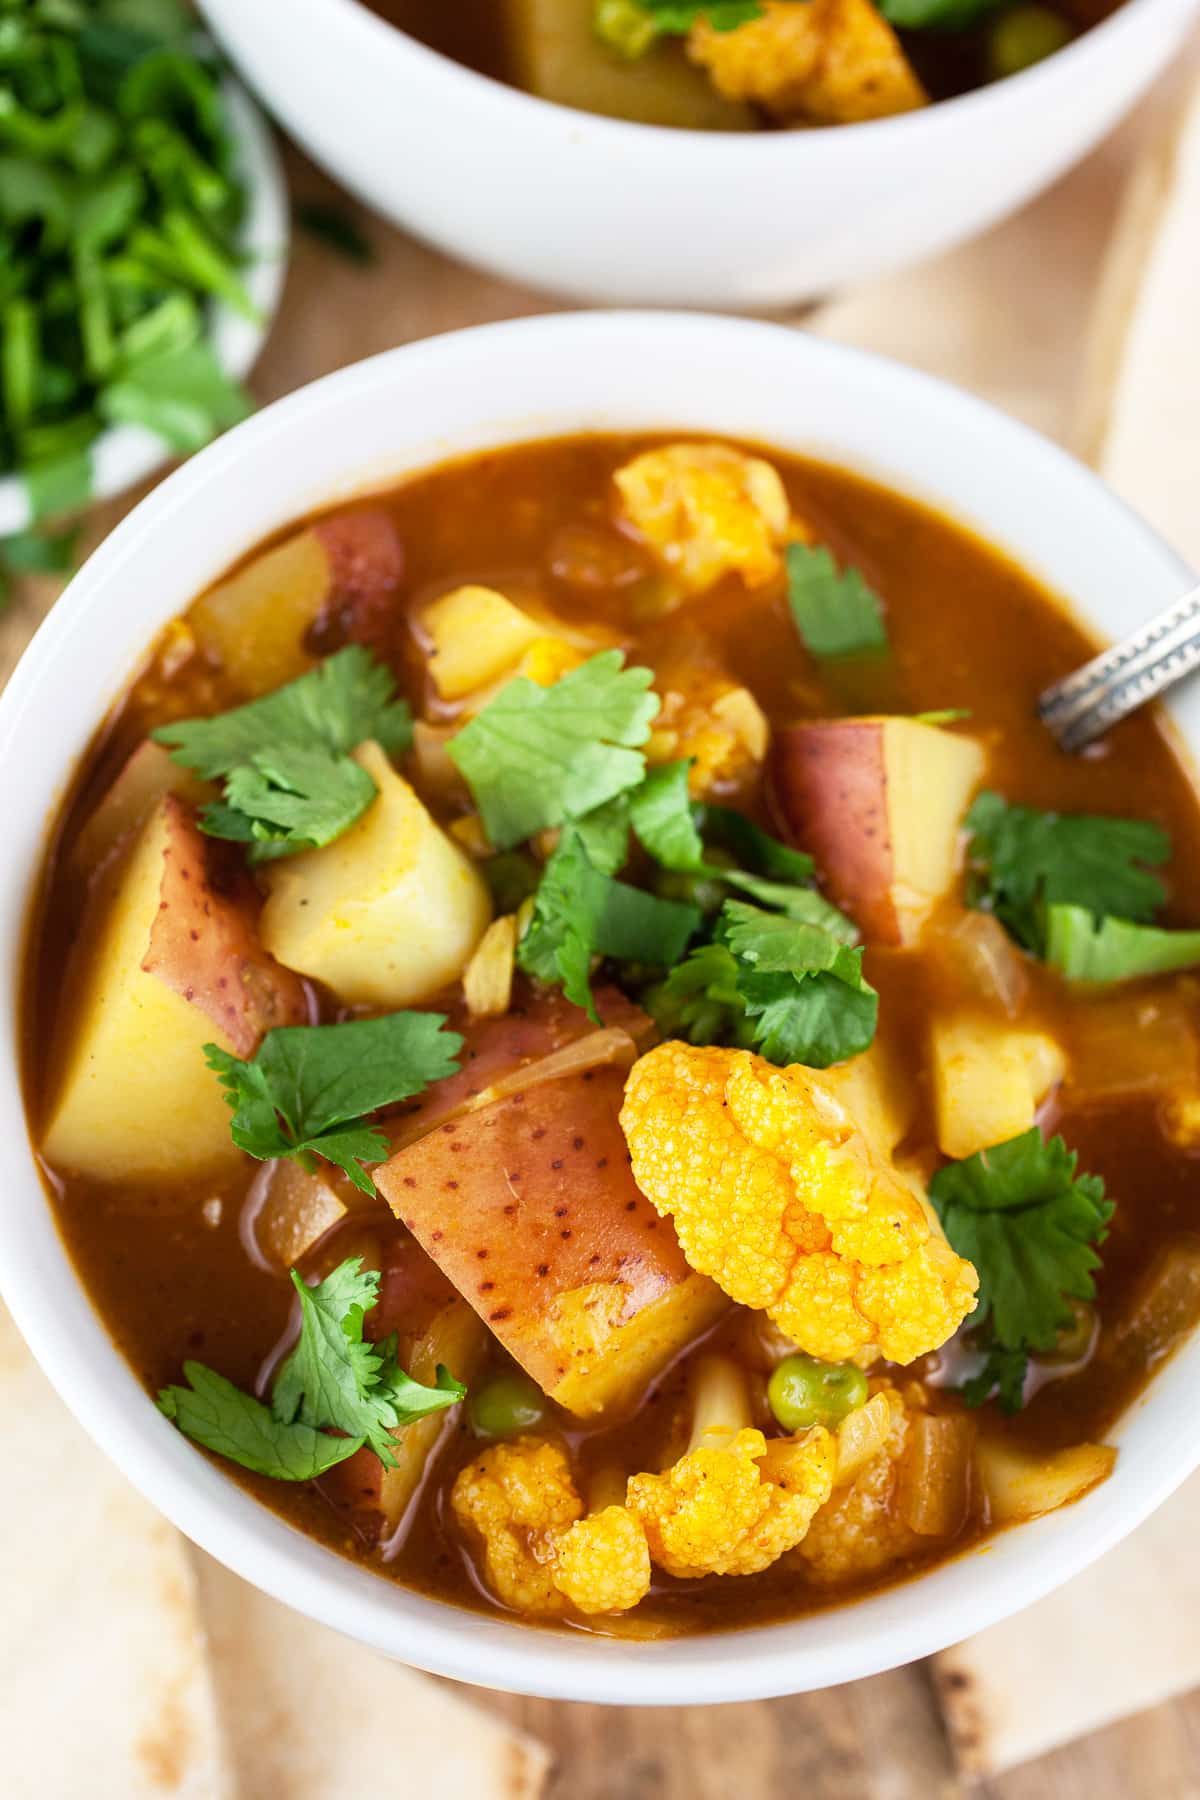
(104, 1679)
(310, 1714)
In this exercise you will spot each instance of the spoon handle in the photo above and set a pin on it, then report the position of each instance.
(1087, 702)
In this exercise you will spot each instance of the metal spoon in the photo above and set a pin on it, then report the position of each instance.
(1083, 706)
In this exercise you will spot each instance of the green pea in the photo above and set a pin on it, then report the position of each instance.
(1024, 36)
(506, 1405)
(803, 1392)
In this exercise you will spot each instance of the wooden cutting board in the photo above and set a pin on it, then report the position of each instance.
(880, 1739)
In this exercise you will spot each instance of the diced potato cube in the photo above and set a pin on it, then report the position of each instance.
(475, 637)
(165, 964)
(1020, 1484)
(988, 1079)
(290, 1209)
(150, 774)
(386, 914)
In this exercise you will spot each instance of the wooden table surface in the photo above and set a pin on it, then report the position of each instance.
(880, 1739)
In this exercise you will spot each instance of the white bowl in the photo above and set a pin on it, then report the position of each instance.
(126, 454)
(372, 423)
(596, 209)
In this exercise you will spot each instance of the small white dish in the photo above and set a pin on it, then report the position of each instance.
(600, 210)
(368, 425)
(126, 454)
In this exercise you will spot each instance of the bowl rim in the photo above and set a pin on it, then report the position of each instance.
(857, 1638)
(125, 454)
(472, 88)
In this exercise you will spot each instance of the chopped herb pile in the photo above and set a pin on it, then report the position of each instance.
(290, 782)
(834, 610)
(1030, 1224)
(333, 1381)
(309, 1089)
(119, 214)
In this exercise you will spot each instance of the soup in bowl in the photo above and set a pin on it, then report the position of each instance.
(599, 1080)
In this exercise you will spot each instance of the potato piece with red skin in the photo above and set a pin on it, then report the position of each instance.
(433, 1326)
(146, 777)
(337, 580)
(167, 961)
(879, 802)
(529, 1207)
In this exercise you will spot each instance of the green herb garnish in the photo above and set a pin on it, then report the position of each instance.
(290, 783)
(333, 1381)
(308, 1089)
(1030, 1225)
(1084, 949)
(535, 756)
(1022, 861)
(630, 27)
(834, 610)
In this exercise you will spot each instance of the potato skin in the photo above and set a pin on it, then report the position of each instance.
(830, 787)
(529, 1207)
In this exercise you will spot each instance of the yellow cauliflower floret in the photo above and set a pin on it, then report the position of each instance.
(736, 1509)
(706, 511)
(602, 1563)
(785, 1202)
(814, 62)
(708, 719)
(860, 1530)
(512, 1501)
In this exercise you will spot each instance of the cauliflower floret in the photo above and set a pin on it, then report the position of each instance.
(706, 511)
(734, 1509)
(708, 719)
(602, 1563)
(816, 62)
(512, 1501)
(783, 1200)
(860, 1530)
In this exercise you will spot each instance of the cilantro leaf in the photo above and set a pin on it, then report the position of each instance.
(1023, 860)
(333, 1378)
(215, 1413)
(752, 847)
(630, 27)
(1003, 1373)
(834, 610)
(332, 1381)
(660, 812)
(803, 988)
(786, 987)
(580, 912)
(535, 756)
(1082, 949)
(1030, 1225)
(290, 783)
(308, 1088)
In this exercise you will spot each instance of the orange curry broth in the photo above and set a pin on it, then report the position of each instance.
(967, 628)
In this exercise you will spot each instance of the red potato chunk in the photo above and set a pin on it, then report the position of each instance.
(879, 803)
(338, 578)
(530, 1208)
(148, 775)
(166, 962)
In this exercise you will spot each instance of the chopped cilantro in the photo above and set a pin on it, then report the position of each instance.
(834, 610)
(788, 987)
(946, 715)
(1023, 861)
(1030, 1224)
(309, 1088)
(535, 756)
(581, 912)
(660, 812)
(290, 783)
(1003, 1374)
(332, 1381)
(936, 15)
(1112, 949)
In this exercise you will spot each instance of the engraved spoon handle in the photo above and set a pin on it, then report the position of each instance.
(1083, 705)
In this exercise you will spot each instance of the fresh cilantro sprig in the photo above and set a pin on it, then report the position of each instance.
(785, 986)
(630, 27)
(535, 756)
(308, 1089)
(835, 611)
(290, 782)
(581, 912)
(1030, 1224)
(332, 1381)
(1022, 861)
